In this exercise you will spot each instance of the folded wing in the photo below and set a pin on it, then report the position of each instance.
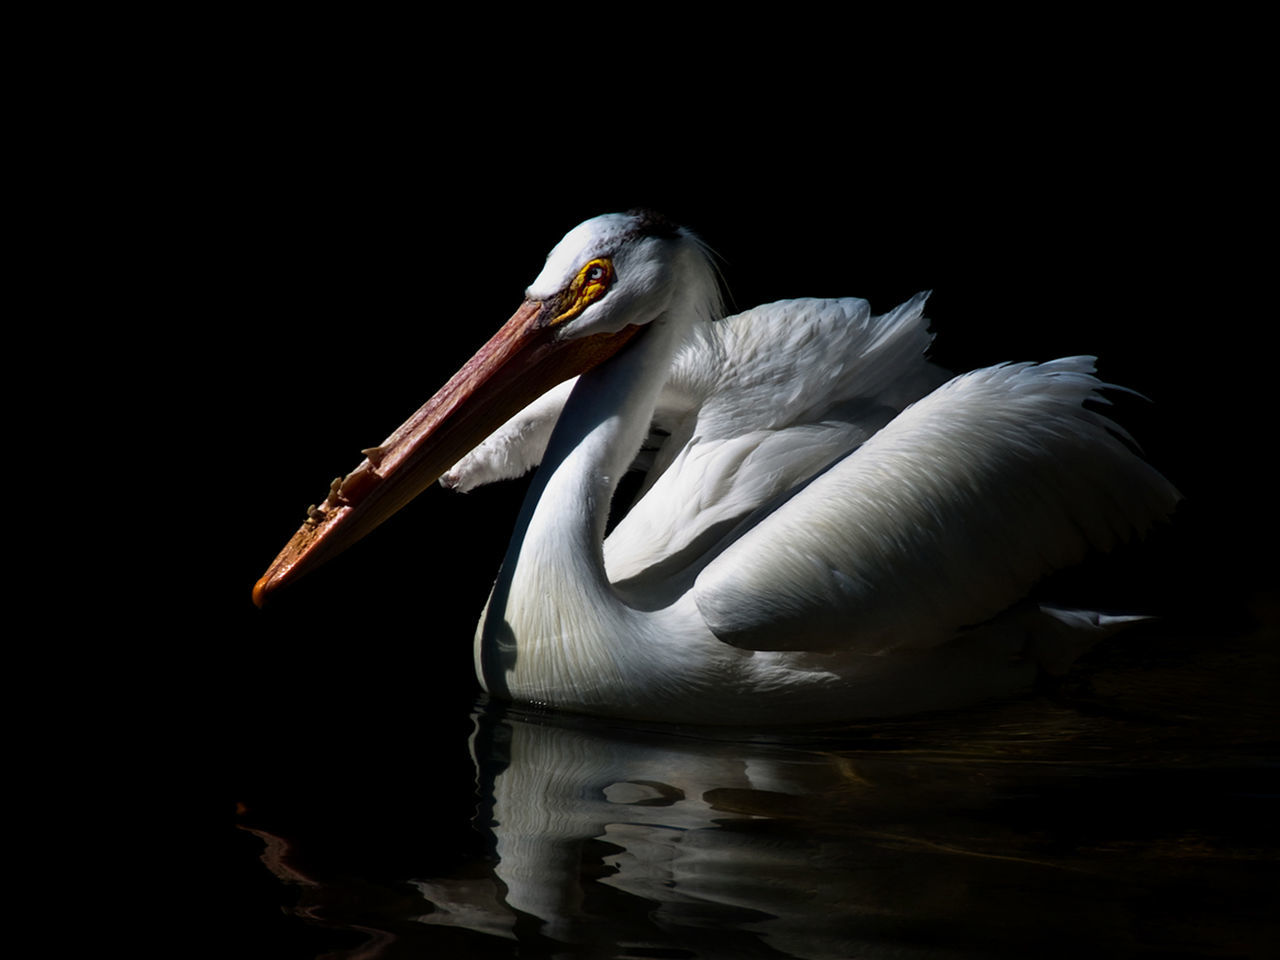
(756, 404)
(945, 517)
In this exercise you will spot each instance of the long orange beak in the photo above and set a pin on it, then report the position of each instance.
(521, 362)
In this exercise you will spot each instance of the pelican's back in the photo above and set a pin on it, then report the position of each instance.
(944, 518)
(757, 403)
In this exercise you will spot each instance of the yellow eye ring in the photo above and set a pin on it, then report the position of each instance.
(591, 283)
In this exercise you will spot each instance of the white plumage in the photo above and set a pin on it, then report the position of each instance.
(821, 525)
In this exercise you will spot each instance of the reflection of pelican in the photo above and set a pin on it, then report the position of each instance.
(777, 568)
(926, 839)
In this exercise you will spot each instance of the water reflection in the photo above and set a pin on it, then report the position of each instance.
(1048, 826)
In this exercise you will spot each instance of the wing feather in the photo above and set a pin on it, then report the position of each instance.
(945, 517)
(762, 401)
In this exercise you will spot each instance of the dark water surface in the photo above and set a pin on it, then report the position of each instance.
(1128, 811)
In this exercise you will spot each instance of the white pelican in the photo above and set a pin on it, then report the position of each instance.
(818, 536)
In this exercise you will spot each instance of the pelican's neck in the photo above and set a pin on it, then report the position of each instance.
(560, 531)
(595, 441)
(553, 621)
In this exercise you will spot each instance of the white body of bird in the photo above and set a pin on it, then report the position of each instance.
(823, 526)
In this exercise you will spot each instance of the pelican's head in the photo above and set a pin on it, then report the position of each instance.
(621, 270)
(606, 280)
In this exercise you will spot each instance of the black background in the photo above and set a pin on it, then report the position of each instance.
(321, 232)
(351, 264)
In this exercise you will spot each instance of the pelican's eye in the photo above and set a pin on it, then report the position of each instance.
(591, 283)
